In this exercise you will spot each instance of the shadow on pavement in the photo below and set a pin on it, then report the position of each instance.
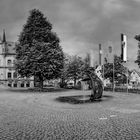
(82, 99)
(33, 90)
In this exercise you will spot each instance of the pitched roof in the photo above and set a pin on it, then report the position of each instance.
(136, 72)
(10, 47)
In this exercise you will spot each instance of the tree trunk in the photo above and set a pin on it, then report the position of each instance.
(35, 80)
(38, 81)
(62, 85)
(74, 82)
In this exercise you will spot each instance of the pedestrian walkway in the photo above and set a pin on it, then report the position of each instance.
(30, 116)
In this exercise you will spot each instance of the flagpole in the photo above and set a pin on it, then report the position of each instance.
(127, 75)
(103, 72)
(100, 55)
(124, 54)
(113, 74)
(125, 64)
(127, 80)
(111, 51)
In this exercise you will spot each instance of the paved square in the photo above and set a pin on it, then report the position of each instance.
(40, 116)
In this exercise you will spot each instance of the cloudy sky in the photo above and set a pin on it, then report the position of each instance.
(80, 24)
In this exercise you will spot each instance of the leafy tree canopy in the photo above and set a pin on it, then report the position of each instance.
(73, 68)
(119, 70)
(38, 52)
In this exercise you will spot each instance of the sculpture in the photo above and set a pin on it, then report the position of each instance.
(96, 84)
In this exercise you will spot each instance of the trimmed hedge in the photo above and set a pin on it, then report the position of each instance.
(133, 90)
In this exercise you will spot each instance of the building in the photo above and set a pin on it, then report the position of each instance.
(134, 78)
(8, 76)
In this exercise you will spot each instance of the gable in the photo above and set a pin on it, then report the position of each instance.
(135, 74)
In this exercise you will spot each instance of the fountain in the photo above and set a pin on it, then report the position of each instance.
(96, 84)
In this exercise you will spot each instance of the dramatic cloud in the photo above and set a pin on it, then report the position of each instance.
(80, 24)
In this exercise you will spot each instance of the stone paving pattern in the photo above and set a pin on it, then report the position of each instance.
(39, 116)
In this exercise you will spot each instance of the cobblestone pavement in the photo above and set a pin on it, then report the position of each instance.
(39, 116)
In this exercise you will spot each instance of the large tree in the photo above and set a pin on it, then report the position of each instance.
(86, 62)
(64, 76)
(38, 52)
(119, 70)
(75, 68)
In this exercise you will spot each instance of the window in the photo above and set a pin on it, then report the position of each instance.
(9, 75)
(22, 85)
(9, 45)
(10, 85)
(9, 62)
(28, 84)
(15, 84)
(15, 75)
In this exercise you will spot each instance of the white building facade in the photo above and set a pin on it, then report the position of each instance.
(8, 76)
(134, 78)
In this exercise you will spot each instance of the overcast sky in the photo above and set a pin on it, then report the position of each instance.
(80, 24)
